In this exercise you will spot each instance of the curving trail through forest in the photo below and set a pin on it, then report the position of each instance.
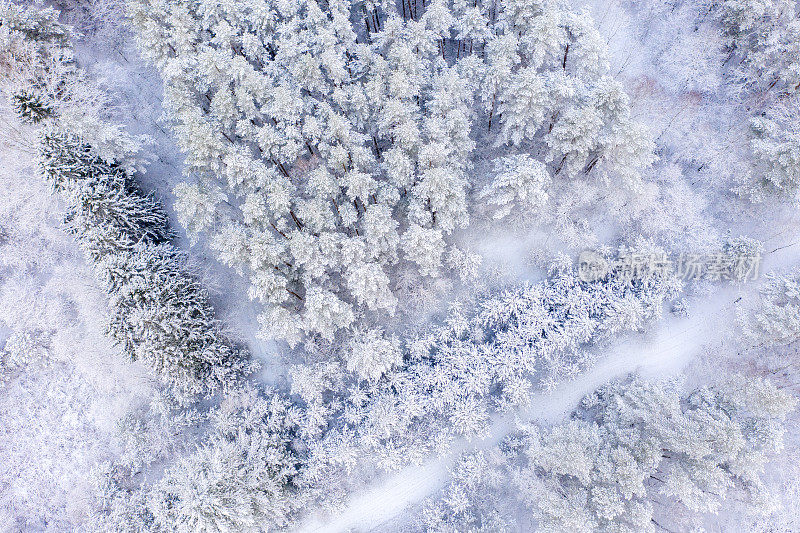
(663, 352)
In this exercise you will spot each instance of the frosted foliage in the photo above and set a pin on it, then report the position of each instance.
(164, 318)
(426, 247)
(334, 141)
(633, 439)
(765, 33)
(776, 149)
(35, 51)
(196, 206)
(372, 353)
(519, 184)
(21, 349)
(325, 313)
(627, 445)
(240, 480)
(370, 286)
(55, 433)
(42, 78)
(157, 312)
(775, 317)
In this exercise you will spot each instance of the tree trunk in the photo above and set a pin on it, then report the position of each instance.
(491, 113)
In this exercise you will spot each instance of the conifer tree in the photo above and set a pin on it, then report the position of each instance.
(242, 479)
(628, 445)
(306, 123)
(159, 312)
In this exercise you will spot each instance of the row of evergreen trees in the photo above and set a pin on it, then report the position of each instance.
(240, 474)
(158, 312)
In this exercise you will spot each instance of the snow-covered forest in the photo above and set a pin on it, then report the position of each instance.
(400, 265)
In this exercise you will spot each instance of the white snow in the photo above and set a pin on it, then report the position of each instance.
(661, 353)
(674, 75)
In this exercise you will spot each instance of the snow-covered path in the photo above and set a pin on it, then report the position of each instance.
(663, 352)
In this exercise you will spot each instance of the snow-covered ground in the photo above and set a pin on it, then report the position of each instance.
(661, 353)
(670, 64)
(66, 386)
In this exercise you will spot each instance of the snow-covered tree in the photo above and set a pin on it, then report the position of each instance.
(765, 33)
(518, 183)
(162, 316)
(242, 479)
(563, 94)
(30, 106)
(776, 151)
(102, 195)
(338, 140)
(372, 354)
(775, 317)
(477, 498)
(36, 53)
(627, 446)
(630, 441)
